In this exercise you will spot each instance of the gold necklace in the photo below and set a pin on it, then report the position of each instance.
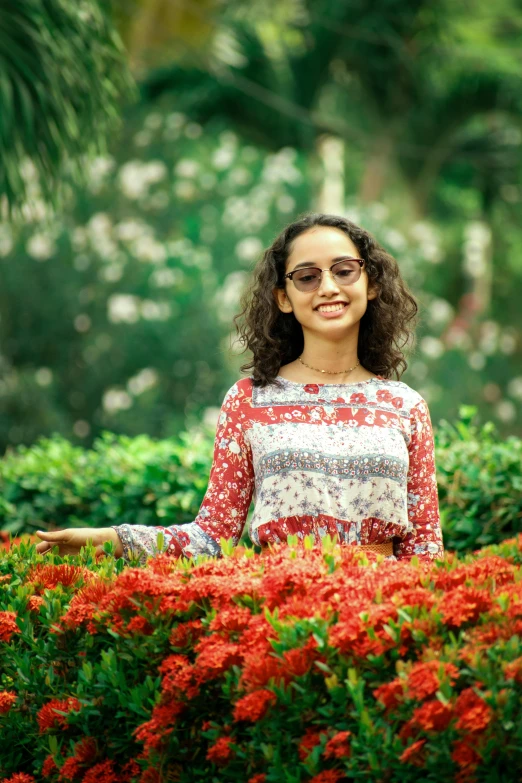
(327, 371)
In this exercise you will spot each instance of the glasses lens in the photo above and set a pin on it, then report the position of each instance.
(346, 272)
(307, 279)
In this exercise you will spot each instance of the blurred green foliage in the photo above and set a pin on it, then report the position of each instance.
(480, 483)
(116, 313)
(55, 484)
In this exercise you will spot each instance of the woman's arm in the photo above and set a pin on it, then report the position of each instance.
(425, 540)
(225, 506)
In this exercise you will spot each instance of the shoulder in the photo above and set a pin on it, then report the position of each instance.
(241, 391)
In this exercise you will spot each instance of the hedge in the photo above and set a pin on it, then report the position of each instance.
(55, 484)
(297, 664)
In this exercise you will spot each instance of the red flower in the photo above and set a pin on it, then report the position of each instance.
(85, 603)
(186, 634)
(216, 656)
(431, 716)
(328, 776)
(179, 676)
(464, 754)
(312, 388)
(259, 778)
(161, 724)
(424, 678)
(48, 718)
(70, 769)
(35, 602)
(357, 398)
(101, 773)
(47, 576)
(49, 766)
(464, 604)
(7, 699)
(254, 705)
(390, 694)
(19, 777)
(513, 670)
(474, 713)
(311, 738)
(412, 755)
(397, 402)
(139, 624)
(8, 626)
(221, 752)
(338, 746)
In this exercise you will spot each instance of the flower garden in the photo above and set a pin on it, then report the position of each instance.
(302, 663)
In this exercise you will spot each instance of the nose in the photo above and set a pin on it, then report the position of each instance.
(328, 284)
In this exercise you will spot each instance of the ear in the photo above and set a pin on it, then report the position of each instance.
(282, 301)
(372, 293)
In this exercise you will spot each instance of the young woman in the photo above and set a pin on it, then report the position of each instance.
(319, 434)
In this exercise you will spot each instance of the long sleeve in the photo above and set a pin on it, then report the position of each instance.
(225, 506)
(425, 540)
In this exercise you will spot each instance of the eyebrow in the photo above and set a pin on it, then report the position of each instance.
(314, 263)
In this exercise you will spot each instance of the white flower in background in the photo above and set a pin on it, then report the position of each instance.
(193, 130)
(477, 241)
(514, 387)
(440, 311)
(111, 273)
(133, 179)
(280, 168)
(28, 171)
(184, 189)
(81, 428)
(249, 248)
(208, 180)
(35, 209)
(211, 417)
(115, 400)
(506, 411)
(166, 277)
(131, 229)
(154, 120)
(491, 392)
(427, 238)
(98, 170)
(432, 347)
(394, 239)
(227, 297)
(240, 176)
(155, 171)
(123, 308)
(100, 225)
(379, 211)
(43, 376)
(186, 168)
(285, 203)
(155, 311)
(223, 157)
(175, 120)
(477, 360)
(79, 238)
(146, 248)
(143, 381)
(143, 138)
(40, 246)
(507, 343)
(82, 323)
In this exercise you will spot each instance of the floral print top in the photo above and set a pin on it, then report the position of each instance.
(352, 459)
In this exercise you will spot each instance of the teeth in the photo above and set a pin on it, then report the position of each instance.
(330, 308)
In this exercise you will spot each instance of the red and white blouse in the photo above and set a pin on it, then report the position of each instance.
(352, 459)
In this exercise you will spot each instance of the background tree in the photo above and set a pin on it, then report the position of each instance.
(63, 72)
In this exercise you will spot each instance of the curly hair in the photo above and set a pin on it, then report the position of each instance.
(276, 338)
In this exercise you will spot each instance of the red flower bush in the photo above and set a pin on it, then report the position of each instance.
(323, 660)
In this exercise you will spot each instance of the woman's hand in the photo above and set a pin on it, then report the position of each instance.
(71, 540)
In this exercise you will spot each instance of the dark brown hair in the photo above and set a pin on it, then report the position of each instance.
(276, 338)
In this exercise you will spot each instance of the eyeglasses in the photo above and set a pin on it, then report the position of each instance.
(345, 272)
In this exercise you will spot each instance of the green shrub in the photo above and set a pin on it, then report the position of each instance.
(297, 664)
(54, 484)
(480, 483)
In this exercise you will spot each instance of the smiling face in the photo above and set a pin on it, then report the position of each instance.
(322, 246)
